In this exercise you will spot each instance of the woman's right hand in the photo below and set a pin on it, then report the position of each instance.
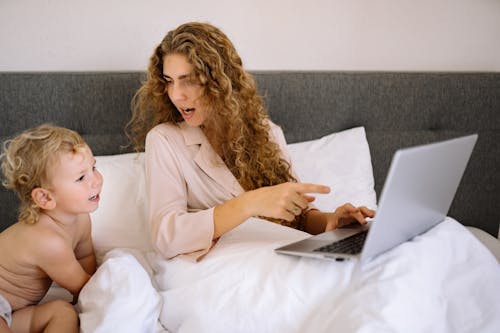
(284, 201)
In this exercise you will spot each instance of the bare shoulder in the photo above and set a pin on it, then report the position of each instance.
(22, 237)
(45, 237)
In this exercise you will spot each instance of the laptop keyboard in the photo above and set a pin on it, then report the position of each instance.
(350, 245)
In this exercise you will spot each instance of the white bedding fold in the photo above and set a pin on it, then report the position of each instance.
(442, 281)
(120, 296)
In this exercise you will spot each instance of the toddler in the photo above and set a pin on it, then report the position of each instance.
(52, 171)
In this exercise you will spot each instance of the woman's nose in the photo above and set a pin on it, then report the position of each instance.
(176, 92)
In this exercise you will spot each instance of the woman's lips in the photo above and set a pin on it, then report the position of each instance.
(187, 113)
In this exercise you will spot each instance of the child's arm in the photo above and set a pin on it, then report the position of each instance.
(84, 250)
(57, 259)
(88, 263)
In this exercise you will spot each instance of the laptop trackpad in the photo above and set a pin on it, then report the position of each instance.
(340, 233)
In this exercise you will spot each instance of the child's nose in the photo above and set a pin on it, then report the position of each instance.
(98, 179)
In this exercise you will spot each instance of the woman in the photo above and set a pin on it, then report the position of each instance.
(213, 157)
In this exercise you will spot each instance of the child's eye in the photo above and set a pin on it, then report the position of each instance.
(81, 178)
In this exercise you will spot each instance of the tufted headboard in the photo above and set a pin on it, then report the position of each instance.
(397, 109)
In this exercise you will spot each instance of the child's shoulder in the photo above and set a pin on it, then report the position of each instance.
(46, 233)
(41, 233)
(30, 243)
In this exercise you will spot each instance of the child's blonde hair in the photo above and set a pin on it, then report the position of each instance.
(27, 157)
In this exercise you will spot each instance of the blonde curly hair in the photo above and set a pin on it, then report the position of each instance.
(26, 159)
(237, 117)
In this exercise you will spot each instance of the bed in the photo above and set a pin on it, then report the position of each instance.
(445, 280)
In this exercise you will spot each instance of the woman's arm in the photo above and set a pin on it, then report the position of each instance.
(174, 229)
(284, 201)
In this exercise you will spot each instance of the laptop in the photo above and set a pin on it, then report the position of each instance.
(416, 196)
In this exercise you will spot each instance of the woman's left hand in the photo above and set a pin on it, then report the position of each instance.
(348, 214)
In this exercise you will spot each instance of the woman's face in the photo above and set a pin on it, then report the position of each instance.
(183, 89)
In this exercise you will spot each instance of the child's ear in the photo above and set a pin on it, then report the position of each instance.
(43, 198)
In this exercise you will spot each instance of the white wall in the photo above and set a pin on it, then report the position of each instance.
(54, 35)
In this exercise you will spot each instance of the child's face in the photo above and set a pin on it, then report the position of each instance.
(75, 183)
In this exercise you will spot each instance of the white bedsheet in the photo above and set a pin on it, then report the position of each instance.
(442, 281)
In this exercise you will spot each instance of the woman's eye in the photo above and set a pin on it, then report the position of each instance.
(167, 80)
(192, 80)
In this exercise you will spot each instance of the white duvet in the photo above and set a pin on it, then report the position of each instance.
(442, 281)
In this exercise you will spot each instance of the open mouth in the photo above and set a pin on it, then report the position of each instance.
(94, 198)
(187, 110)
(187, 113)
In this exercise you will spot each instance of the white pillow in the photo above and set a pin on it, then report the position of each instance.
(340, 160)
(121, 219)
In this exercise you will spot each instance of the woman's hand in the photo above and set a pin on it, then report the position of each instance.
(347, 214)
(284, 201)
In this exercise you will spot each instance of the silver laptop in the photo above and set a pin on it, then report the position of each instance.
(417, 195)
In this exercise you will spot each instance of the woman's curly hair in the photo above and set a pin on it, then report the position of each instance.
(25, 161)
(237, 115)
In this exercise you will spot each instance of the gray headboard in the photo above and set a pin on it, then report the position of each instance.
(397, 109)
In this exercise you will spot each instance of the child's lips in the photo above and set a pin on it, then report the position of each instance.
(95, 198)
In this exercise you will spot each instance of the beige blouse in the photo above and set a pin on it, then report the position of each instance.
(185, 180)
